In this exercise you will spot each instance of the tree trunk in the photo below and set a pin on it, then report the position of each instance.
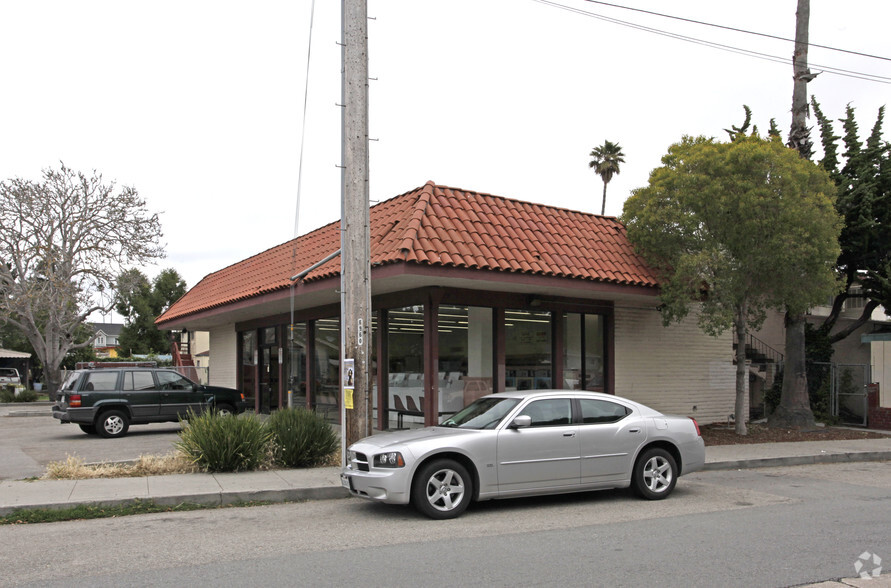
(739, 413)
(799, 134)
(794, 410)
(603, 206)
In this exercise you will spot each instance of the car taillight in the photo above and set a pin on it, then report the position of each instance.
(74, 400)
(242, 396)
(695, 424)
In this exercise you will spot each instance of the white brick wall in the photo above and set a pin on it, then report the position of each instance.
(672, 369)
(223, 359)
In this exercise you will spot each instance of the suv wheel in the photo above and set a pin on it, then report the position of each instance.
(88, 429)
(225, 409)
(112, 423)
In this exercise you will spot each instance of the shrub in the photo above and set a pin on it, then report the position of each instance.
(300, 438)
(7, 394)
(224, 443)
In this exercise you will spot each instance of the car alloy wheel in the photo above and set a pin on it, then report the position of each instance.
(655, 474)
(113, 423)
(442, 489)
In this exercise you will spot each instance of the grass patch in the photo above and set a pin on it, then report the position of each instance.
(74, 468)
(87, 511)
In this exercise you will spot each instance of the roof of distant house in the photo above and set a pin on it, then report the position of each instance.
(111, 329)
(448, 227)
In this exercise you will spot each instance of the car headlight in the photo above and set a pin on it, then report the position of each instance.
(351, 456)
(392, 459)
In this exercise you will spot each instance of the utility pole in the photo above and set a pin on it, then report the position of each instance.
(355, 302)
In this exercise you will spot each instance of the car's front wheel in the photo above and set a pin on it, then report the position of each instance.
(442, 489)
(655, 474)
(112, 423)
(88, 429)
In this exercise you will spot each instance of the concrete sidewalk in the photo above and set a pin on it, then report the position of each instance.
(324, 483)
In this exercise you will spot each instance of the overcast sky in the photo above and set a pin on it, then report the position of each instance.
(199, 104)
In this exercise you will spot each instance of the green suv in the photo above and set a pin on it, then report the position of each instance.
(107, 401)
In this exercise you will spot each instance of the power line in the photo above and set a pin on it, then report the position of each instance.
(726, 28)
(723, 47)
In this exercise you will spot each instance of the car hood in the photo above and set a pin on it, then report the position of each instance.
(413, 436)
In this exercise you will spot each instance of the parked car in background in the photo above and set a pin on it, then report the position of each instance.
(524, 444)
(107, 401)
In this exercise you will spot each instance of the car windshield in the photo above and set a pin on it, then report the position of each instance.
(484, 413)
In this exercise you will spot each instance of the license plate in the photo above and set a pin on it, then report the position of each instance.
(346, 482)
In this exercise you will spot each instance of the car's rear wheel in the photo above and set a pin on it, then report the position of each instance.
(112, 423)
(442, 489)
(225, 409)
(88, 429)
(655, 474)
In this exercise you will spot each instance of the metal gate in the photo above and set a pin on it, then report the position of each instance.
(848, 393)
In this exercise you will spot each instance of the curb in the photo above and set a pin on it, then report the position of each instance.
(208, 499)
(770, 462)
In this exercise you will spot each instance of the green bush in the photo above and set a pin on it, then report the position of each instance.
(300, 438)
(8, 394)
(224, 443)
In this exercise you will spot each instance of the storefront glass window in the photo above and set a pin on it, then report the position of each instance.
(465, 356)
(527, 347)
(248, 363)
(583, 338)
(326, 391)
(405, 341)
(296, 369)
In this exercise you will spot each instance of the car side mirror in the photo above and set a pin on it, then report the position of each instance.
(522, 421)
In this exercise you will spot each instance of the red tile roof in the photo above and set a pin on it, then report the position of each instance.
(441, 226)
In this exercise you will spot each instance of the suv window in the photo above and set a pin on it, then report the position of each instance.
(8, 373)
(104, 381)
(602, 411)
(549, 412)
(139, 381)
(173, 381)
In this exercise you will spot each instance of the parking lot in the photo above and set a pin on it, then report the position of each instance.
(29, 443)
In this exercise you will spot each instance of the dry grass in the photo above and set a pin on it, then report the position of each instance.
(74, 468)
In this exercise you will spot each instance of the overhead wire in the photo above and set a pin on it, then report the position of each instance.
(727, 28)
(720, 46)
(312, 12)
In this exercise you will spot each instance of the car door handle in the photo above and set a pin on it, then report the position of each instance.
(569, 434)
(635, 430)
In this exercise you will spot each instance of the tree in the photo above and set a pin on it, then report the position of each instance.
(606, 160)
(63, 241)
(864, 200)
(141, 302)
(738, 227)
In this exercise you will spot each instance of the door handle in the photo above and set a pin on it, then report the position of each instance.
(635, 430)
(569, 434)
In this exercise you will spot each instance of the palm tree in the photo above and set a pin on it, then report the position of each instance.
(606, 160)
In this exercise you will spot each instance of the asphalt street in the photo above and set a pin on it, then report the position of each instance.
(763, 527)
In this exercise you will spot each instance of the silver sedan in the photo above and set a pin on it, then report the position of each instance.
(524, 444)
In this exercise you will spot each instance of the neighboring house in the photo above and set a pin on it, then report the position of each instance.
(861, 359)
(106, 342)
(471, 293)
